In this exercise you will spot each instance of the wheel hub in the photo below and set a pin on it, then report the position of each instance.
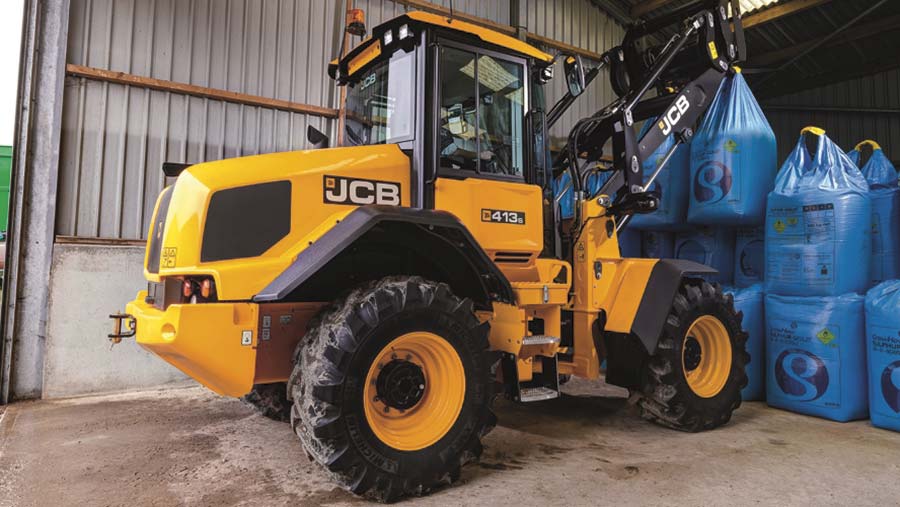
(693, 354)
(400, 384)
(706, 356)
(403, 409)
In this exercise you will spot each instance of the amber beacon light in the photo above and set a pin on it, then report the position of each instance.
(356, 22)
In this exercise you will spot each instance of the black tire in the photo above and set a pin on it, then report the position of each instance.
(666, 397)
(330, 369)
(270, 400)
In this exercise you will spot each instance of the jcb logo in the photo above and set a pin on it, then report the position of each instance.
(338, 190)
(673, 115)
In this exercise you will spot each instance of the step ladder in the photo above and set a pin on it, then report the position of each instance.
(544, 385)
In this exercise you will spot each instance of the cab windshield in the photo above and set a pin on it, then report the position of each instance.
(379, 106)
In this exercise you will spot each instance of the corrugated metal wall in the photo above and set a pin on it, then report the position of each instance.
(580, 24)
(116, 137)
(881, 92)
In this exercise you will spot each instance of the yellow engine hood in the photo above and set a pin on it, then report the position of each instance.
(313, 209)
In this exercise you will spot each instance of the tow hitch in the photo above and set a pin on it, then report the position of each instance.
(118, 331)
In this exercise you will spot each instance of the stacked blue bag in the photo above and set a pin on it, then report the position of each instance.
(671, 184)
(749, 256)
(818, 234)
(629, 242)
(711, 246)
(816, 355)
(733, 159)
(749, 301)
(883, 347)
(885, 194)
(657, 245)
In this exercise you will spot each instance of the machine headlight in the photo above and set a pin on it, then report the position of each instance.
(388, 37)
(546, 74)
(403, 32)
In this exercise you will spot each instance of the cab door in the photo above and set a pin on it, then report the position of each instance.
(481, 156)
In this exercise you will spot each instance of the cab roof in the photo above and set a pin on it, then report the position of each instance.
(366, 51)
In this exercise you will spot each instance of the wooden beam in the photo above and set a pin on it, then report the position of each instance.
(562, 46)
(647, 6)
(79, 240)
(780, 10)
(124, 78)
(860, 32)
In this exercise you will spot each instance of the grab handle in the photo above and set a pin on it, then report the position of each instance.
(873, 144)
(813, 130)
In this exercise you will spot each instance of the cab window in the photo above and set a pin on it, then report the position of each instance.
(482, 110)
(380, 104)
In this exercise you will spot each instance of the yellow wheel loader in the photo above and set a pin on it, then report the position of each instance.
(379, 295)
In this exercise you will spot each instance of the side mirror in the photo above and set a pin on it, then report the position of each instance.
(574, 70)
(316, 138)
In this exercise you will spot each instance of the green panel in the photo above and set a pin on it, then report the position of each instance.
(5, 170)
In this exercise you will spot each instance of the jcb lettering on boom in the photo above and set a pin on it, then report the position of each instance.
(673, 115)
(339, 190)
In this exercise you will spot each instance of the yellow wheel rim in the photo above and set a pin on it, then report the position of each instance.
(706, 356)
(414, 391)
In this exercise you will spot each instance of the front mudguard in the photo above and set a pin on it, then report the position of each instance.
(659, 293)
(627, 353)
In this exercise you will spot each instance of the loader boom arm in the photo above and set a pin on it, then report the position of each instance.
(686, 73)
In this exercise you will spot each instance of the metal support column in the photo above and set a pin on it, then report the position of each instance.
(32, 217)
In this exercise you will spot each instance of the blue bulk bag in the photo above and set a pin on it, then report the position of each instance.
(567, 203)
(629, 242)
(818, 234)
(749, 256)
(883, 347)
(657, 245)
(816, 355)
(885, 194)
(749, 301)
(733, 159)
(671, 185)
(713, 247)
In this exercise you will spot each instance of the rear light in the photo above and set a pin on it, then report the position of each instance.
(198, 290)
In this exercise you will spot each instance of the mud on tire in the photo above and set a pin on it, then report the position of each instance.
(666, 397)
(329, 377)
(270, 400)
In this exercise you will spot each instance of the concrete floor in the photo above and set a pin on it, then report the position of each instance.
(190, 447)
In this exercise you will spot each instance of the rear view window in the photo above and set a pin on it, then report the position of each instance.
(246, 221)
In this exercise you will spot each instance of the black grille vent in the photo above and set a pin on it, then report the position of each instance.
(246, 221)
(512, 257)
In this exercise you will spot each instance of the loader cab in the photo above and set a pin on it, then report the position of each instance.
(466, 104)
(436, 88)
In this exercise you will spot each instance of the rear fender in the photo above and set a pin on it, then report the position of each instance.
(376, 241)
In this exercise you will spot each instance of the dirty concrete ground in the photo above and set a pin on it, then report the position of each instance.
(191, 447)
